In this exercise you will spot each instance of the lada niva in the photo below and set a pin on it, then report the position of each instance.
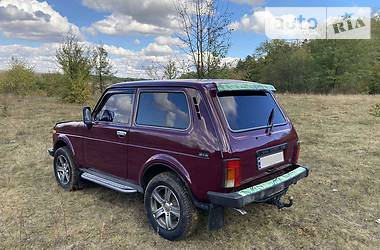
(185, 145)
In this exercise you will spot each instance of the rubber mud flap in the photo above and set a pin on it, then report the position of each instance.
(215, 217)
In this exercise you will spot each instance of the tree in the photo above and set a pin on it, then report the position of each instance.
(170, 70)
(74, 59)
(338, 64)
(102, 66)
(19, 79)
(158, 71)
(154, 71)
(204, 32)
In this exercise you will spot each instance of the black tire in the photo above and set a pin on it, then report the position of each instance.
(186, 222)
(70, 181)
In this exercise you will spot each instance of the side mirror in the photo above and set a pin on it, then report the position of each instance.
(87, 117)
(107, 116)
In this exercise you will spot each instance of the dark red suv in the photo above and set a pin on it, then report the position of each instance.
(184, 144)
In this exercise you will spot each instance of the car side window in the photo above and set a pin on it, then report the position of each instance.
(116, 109)
(163, 109)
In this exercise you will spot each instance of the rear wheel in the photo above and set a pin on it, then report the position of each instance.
(169, 207)
(65, 170)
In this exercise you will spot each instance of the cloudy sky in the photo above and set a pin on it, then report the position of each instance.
(134, 32)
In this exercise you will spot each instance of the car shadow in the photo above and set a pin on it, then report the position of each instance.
(257, 214)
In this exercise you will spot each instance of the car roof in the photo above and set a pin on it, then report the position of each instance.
(164, 83)
(208, 83)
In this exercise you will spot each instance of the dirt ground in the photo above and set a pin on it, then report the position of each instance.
(336, 207)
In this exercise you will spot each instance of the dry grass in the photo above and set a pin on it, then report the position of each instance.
(336, 207)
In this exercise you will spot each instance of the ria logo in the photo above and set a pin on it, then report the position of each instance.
(318, 22)
(348, 23)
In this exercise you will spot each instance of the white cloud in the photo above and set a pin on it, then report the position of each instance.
(119, 51)
(117, 24)
(135, 63)
(33, 20)
(250, 2)
(41, 58)
(167, 40)
(154, 12)
(254, 22)
(155, 49)
(126, 62)
(134, 16)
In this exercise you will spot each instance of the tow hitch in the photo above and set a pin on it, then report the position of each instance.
(280, 204)
(276, 200)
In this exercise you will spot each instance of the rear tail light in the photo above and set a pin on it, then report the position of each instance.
(297, 152)
(232, 178)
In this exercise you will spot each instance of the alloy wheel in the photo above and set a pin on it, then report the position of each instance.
(63, 169)
(165, 207)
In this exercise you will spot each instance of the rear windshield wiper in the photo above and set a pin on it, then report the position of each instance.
(270, 122)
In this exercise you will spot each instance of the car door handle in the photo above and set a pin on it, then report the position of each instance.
(121, 133)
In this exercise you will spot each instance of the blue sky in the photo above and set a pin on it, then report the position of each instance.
(136, 32)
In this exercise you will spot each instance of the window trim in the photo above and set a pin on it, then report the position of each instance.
(137, 104)
(254, 128)
(104, 100)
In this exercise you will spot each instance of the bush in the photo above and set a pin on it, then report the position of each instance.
(374, 88)
(79, 90)
(53, 84)
(20, 79)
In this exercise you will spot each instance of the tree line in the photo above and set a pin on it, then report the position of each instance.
(316, 66)
(309, 66)
(85, 71)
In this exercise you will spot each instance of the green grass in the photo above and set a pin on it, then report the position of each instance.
(335, 207)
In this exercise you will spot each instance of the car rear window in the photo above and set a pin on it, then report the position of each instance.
(163, 109)
(245, 110)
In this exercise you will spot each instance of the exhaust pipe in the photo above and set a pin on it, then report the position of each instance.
(240, 211)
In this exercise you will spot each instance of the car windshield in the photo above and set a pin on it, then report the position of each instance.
(246, 110)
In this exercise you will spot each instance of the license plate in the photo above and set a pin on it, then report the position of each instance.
(270, 160)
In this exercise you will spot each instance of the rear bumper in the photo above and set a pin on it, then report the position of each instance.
(260, 192)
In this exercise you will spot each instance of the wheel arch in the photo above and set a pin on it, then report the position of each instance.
(63, 141)
(163, 163)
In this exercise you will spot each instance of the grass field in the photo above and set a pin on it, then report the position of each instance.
(338, 206)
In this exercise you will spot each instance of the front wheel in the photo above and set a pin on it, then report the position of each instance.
(169, 207)
(65, 170)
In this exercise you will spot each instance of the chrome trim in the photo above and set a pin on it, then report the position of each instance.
(121, 133)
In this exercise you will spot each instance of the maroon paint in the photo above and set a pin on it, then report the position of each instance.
(145, 147)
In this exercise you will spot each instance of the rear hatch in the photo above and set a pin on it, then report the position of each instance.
(259, 133)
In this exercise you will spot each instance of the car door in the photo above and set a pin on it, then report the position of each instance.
(161, 126)
(106, 143)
